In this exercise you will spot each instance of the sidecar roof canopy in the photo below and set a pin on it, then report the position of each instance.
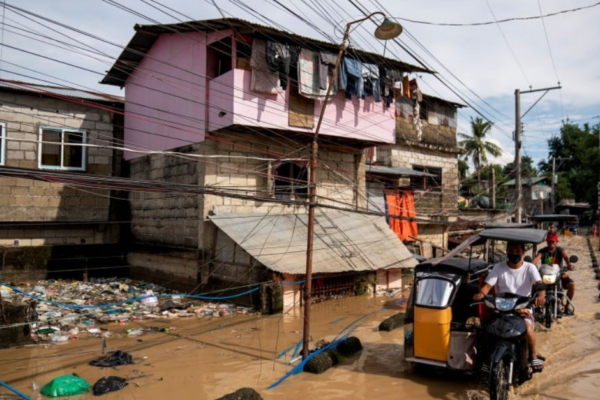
(458, 266)
(515, 235)
(555, 218)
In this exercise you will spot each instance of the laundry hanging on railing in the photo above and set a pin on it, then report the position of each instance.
(262, 80)
(326, 67)
(370, 73)
(309, 76)
(353, 78)
(278, 60)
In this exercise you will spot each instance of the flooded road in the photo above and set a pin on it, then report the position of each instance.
(205, 359)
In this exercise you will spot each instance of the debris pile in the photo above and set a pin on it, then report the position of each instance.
(62, 310)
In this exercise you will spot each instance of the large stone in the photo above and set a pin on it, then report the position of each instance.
(321, 362)
(242, 394)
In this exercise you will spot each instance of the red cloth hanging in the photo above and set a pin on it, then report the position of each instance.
(401, 205)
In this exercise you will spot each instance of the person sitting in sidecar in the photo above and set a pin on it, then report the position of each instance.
(518, 277)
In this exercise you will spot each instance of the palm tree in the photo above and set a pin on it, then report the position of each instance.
(476, 145)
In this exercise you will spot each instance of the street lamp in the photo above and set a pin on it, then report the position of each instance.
(385, 31)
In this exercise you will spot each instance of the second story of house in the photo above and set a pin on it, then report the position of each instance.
(47, 129)
(188, 80)
(424, 157)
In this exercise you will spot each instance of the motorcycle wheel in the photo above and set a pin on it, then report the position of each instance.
(499, 387)
(548, 315)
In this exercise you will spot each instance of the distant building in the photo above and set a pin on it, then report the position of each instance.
(536, 194)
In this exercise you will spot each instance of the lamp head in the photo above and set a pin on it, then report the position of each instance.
(388, 30)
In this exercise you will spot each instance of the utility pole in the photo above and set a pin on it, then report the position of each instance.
(553, 199)
(518, 154)
(493, 188)
(518, 117)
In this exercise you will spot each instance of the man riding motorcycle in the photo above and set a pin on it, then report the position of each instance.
(518, 277)
(552, 254)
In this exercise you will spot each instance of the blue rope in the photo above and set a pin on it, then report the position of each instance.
(351, 327)
(12, 389)
(335, 321)
(130, 300)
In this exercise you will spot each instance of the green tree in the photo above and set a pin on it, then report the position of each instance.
(463, 169)
(476, 145)
(579, 175)
(527, 168)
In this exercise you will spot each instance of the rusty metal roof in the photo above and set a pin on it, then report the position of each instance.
(146, 35)
(342, 242)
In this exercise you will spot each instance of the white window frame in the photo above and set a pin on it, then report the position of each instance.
(62, 148)
(2, 143)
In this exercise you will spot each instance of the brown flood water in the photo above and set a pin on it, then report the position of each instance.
(205, 359)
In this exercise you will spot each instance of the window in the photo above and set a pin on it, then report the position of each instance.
(430, 183)
(432, 292)
(62, 149)
(2, 142)
(291, 181)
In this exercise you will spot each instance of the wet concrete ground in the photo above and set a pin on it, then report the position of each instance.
(202, 359)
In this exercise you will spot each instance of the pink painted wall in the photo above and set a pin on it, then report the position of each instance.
(357, 119)
(166, 101)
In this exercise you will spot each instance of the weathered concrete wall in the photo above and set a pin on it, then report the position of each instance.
(172, 218)
(434, 233)
(339, 169)
(432, 134)
(26, 200)
(409, 155)
(175, 270)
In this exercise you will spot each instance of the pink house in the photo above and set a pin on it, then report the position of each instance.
(205, 106)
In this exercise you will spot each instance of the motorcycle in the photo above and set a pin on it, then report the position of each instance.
(443, 330)
(507, 361)
(556, 299)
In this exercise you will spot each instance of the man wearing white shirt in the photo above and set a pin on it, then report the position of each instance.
(518, 277)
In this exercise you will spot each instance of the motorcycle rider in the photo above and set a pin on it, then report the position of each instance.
(518, 277)
(552, 254)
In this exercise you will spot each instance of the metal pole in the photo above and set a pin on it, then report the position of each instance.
(312, 192)
(553, 199)
(493, 188)
(518, 153)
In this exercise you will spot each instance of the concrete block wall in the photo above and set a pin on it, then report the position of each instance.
(172, 218)
(429, 202)
(339, 170)
(177, 271)
(56, 235)
(28, 200)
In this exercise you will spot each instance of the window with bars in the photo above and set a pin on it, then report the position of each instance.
(62, 148)
(429, 183)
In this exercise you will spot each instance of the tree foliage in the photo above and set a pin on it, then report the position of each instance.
(476, 146)
(527, 168)
(577, 176)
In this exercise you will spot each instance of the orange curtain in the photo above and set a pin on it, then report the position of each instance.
(401, 205)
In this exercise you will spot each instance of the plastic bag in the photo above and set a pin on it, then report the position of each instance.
(67, 385)
(108, 384)
(117, 358)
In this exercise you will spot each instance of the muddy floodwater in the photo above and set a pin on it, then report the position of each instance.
(205, 359)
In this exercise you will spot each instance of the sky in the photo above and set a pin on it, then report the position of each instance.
(483, 64)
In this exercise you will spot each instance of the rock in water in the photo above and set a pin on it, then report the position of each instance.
(392, 322)
(321, 362)
(349, 347)
(242, 394)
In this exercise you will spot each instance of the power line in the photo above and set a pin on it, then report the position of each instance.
(501, 20)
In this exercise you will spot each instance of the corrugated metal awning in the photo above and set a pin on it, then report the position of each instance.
(400, 171)
(342, 242)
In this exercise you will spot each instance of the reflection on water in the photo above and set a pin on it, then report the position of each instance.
(205, 359)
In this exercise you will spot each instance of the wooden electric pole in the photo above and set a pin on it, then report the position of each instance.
(518, 117)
